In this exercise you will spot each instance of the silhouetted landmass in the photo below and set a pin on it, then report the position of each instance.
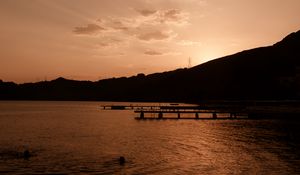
(266, 73)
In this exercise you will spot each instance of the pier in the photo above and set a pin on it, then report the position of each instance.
(129, 107)
(155, 112)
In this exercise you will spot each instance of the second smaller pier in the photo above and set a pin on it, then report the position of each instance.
(179, 114)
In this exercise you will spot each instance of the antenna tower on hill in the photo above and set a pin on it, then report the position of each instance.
(189, 63)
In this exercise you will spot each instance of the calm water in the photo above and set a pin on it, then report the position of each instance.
(77, 137)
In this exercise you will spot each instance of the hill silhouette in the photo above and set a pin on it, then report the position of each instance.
(265, 73)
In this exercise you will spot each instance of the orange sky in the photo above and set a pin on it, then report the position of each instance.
(96, 39)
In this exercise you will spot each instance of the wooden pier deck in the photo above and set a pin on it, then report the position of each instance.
(191, 118)
(129, 107)
(180, 112)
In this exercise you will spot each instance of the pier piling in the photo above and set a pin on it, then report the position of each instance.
(142, 115)
(160, 115)
(215, 115)
(197, 115)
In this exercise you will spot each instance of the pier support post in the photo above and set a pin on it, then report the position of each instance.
(160, 115)
(178, 115)
(232, 115)
(197, 115)
(215, 115)
(142, 115)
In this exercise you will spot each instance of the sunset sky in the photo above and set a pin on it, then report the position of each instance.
(96, 39)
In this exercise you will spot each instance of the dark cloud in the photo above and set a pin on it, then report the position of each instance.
(152, 53)
(155, 35)
(88, 30)
(146, 12)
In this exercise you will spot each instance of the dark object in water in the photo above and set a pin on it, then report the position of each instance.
(26, 154)
(122, 160)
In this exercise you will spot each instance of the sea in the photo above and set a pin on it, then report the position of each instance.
(79, 138)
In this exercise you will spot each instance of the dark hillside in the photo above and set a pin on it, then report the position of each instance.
(266, 73)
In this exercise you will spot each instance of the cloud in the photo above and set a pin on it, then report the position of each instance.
(173, 16)
(168, 16)
(146, 12)
(138, 26)
(159, 53)
(109, 54)
(118, 23)
(88, 30)
(155, 35)
(122, 33)
(103, 44)
(109, 42)
(152, 53)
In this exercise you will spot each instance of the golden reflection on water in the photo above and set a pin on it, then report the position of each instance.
(76, 137)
